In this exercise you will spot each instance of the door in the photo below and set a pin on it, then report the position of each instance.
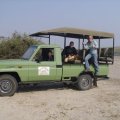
(43, 67)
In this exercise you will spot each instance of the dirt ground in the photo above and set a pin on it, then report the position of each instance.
(56, 102)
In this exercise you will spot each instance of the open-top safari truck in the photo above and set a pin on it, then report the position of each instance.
(34, 66)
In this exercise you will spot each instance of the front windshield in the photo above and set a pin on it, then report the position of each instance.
(27, 55)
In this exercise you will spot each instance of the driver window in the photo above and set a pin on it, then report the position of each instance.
(48, 54)
(45, 54)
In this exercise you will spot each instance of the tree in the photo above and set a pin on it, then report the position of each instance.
(15, 46)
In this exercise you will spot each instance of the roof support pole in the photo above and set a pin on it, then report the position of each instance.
(64, 42)
(99, 49)
(83, 42)
(83, 48)
(79, 44)
(113, 48)
(49, 39)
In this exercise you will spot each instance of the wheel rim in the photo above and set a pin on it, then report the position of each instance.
(85, 82)
(5, 86)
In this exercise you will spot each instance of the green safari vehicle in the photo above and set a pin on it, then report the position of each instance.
(33, 67)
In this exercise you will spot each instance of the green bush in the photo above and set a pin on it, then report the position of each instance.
(15, 46)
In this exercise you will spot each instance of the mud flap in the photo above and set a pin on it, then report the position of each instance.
(95, 81)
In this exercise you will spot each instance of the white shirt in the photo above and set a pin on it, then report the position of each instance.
(92, 46)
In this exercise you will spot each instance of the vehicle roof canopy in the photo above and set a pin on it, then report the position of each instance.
(74, 33)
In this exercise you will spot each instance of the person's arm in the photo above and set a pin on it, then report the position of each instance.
(86, 45)
(95, 44)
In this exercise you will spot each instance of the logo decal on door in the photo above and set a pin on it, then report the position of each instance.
(43, 70)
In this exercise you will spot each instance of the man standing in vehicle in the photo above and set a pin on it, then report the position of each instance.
(92, 46)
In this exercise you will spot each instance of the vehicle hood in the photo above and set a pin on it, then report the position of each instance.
(12, 63)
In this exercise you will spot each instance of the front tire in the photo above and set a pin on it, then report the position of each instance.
(8, 85)
(84, 82)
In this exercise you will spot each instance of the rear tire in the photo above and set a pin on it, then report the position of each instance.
(8, 85)
(84, 82)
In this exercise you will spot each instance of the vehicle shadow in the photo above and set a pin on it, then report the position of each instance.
(103, 78)
(47, 86)
(42, 87)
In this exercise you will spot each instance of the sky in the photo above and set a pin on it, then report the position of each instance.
(30, 16)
